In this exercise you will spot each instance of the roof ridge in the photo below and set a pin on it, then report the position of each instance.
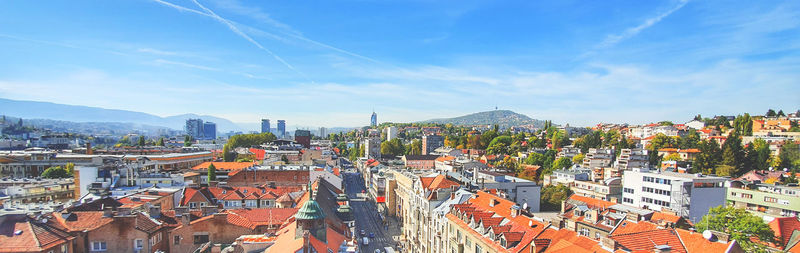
(33, 233)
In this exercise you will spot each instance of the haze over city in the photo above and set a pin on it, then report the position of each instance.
(333, 63)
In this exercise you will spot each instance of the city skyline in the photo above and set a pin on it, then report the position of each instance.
(576, 63)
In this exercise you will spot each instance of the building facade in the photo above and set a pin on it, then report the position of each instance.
(265, 126)
(688, 195)
(281, 129)
(431, 143)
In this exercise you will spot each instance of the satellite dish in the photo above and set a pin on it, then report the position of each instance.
(708, 235)
(530, 223)
(525, 206)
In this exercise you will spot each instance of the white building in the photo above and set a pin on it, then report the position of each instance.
(632, 158)
(689, 195)
(695, 124)
(598, 158)
(521, 191)
(391, 133)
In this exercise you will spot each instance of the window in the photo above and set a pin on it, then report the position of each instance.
(584, 232)
(627, 200)
(478, 249)
(596, 235)
(98, 246)
(64, 249)
(200, 239)
(747, 196)
(192, 205)
(770, 199)
(138, 243)
(783, 202)
(176, 240)
(628, 190)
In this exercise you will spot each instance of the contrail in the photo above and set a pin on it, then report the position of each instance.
(296, 36)
(251, 40)
(232, 27)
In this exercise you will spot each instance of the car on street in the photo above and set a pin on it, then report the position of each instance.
(363, 233)
(371, 235)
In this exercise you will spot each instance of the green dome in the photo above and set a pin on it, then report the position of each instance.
(310, 211)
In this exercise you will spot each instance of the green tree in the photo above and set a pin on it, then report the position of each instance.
(212, 172)
(394, 147)
(141, 141)
(552, 196)
(187, 141)
(781, 114)
(733, 154)
(690, 140)
(244, 140)
(55, 172)
(70, 168)
(658, 142)
(414, 148)
(499, 145)
(790, 156)
(160, 142)
(591, 140)
(561, 163)
(770, 113)
(578, 159)
(708, 158)
(740, 224)
(758, 156)
(673, 157)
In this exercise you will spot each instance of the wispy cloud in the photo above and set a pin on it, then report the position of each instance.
(613, 39)
(155, 51)
(285, 29)
(236, 30)
(183, 64)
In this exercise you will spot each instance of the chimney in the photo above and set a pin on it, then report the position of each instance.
(108, 211)
(123, 211)
(452, 195)
(221, 217)
(89, 150)
(185, 218)
(608, 244)
(155, 212)
(209, 210)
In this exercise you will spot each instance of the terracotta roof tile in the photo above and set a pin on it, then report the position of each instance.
(783, 227)
(33, 236)
(647, 240)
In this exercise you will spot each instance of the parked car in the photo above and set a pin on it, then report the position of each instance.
(371, 235)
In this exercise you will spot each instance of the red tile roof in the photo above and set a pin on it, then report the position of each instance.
(81, 221)
(783, 227)
(695, 242)
(231, 166)
(437, 182)
(33, 236)
(252, 218)
(646, 241)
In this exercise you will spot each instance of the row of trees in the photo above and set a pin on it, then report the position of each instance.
(59, 172)
(244, 140)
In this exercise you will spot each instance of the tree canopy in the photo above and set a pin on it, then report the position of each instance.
(740, 224)
(244, 140)
(212, 172)
(55, 172)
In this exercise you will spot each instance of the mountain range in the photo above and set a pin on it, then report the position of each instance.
(502, 118)
(76, 113)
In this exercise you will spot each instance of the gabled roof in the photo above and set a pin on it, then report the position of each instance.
(80, 221)
(437, 182)
(23, 234)
(784, 227)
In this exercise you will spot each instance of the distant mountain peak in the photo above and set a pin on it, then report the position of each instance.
(503, 118)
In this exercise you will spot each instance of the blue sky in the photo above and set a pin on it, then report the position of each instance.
(330, 63)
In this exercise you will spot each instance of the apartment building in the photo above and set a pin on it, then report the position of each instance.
(688, 195)
(523, 192)
(598, 157)
(417, 196)
(765, 199)
(632, 158)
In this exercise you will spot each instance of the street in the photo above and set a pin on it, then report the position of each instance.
(366, 215)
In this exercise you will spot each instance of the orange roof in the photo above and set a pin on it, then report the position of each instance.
(224, 165)
(34, 236)
(783, 227)
(592, 202)
(445, 158)
(84, 220)
(252, 218)
(336, 171)
(437, 182)
(564, 240)
(659, 216)
(694, 242)
(647, 240)
(627, 227)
